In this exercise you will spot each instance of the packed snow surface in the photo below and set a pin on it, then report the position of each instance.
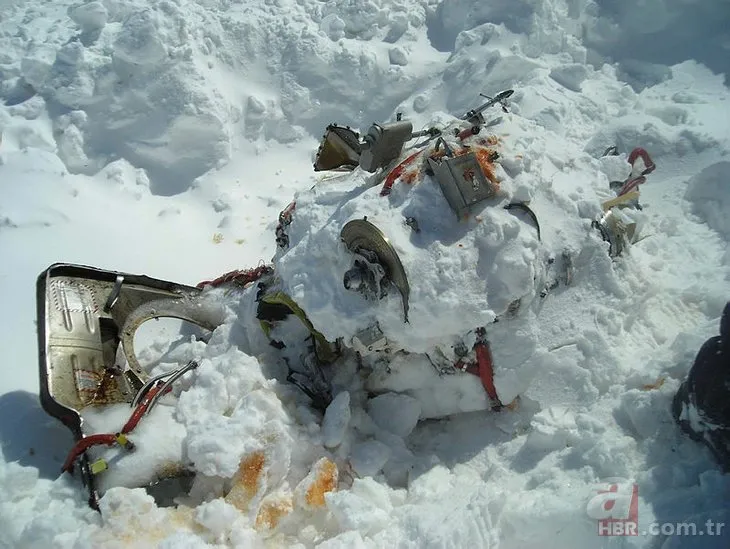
(165, 137)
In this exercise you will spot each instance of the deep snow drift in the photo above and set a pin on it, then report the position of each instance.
(164, 137)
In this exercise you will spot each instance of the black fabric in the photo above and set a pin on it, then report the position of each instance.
(707, 388)
(272, 312)
(709, 379)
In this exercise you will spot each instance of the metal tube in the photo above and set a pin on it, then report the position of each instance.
(147, 386)
(173, 378)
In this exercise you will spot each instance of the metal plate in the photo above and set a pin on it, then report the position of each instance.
(360, 233)
(462, 181)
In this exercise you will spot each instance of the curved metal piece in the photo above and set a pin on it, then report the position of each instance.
(360, 233)
(147, 386)
(189, 309)
(174, 376)
(525, 208)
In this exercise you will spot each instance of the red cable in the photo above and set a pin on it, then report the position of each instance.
(648, 162)
(486, 371)
(396, 173)
(140, 410)
(631, 184)
(84, 444)
(249, 275)
(649, 167)
(107, 439)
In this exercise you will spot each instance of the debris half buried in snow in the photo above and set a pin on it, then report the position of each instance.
(336, 420)
(369, 457)
(395, 413)
(322, 478)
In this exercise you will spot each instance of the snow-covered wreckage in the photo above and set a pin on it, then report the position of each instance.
(417, 266)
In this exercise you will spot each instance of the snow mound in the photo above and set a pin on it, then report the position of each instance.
(707, 194)
(216, 106)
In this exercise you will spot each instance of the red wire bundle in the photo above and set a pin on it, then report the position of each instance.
(108, 439)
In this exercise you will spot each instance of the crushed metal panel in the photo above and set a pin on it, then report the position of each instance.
(79, 337)
(84, 316)
(339, 149)
(462, 181)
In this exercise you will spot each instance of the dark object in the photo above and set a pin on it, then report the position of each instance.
(412, 222)
(285, 219)
(468, 132)
(701, 406)
(312, 382)
(521, 206)
(428, 132)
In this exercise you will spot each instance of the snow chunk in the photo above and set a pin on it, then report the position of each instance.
(312, 490)
(217, 516)
(354, 510)
(333, 26)
(570, 76)
(645, 410)
(369, 457)
(90, 17)
(139, 47)
(551, 429)
(707, 192)
(394, 412)
(36, 66)
(398, 56)
(351, 539)
(336, 420)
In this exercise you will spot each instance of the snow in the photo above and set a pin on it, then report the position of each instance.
(396, 413)
(165, 137)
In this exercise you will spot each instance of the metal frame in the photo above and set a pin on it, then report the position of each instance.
(84, 315)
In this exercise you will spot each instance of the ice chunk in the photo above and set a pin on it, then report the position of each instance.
(707, 192)
(36, 67)
(570, 76)
(217, 516)
(336, 420)
(369, 457)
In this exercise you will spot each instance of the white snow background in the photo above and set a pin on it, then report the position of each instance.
(163, 137)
